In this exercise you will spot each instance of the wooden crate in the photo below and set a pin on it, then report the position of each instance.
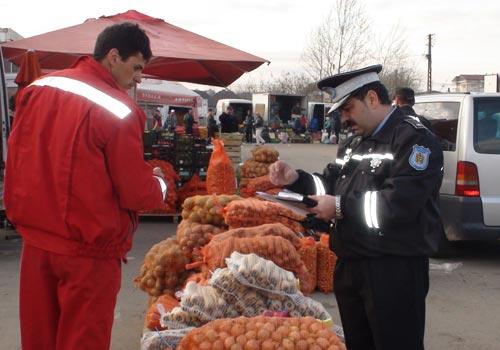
(232, 139)
(232, 149)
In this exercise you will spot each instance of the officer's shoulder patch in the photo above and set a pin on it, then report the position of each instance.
(414, 121)
(419, 158)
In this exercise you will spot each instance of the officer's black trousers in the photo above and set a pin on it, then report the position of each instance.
(382, 302)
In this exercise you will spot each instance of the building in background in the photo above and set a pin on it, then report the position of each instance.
(469, 83)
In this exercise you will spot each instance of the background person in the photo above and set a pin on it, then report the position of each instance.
(171, 121)
(212, 126)
(77, 216)
(383, 193)
(249, 121)
(259, 128)
(405, 99)
(189, 122)
(228, 121)
(157, 124)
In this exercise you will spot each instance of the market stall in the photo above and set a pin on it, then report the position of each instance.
(240, 270)
(152, 94)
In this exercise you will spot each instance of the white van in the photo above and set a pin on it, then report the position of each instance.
(468, 126)
(240, 108)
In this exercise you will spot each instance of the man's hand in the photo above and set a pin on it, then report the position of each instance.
(325, 209)
(157, 172)
(282, 174)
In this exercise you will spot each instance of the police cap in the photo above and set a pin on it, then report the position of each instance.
(341, 86)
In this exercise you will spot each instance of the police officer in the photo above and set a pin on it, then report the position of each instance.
(382, 193)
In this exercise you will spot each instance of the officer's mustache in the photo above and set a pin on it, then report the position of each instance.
(348, 124)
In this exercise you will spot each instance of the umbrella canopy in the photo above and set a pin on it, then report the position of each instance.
(178, 54)
(29, 71)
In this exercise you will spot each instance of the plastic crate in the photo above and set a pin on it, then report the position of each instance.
(202, 158)
(184, 173)
(183, 159)
(201, 172)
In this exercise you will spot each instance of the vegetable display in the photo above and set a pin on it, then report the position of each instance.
(206, 209)
(262, 332)
(275, 229)
(163, 269)
(274, 248)
(326, 265)
(191, 234)
(221, 176)
(254, 212)
(168, 302)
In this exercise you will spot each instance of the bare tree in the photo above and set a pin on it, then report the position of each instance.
(290, 83)
(399, 69)
(340, 42)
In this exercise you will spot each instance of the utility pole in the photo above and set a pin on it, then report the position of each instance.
(429, 63)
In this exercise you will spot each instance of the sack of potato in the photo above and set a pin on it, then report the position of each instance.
(163, 269)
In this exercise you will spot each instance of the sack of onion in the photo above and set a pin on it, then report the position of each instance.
(254, 212)
(206, 209)
(274, 229)
(264, 333)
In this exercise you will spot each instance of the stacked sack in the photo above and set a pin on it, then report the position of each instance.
(249, 286)
(258, 164)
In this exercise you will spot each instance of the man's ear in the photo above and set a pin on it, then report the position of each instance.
(113, 57)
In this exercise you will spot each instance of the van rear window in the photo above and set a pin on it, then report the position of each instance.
(487, 125)
(443, 117)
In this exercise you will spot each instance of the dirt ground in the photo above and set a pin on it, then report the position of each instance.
(463, 311)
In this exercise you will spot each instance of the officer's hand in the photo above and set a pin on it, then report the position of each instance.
(325, 209)
(282, 174)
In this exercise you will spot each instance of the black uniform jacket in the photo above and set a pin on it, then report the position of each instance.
(389, 187)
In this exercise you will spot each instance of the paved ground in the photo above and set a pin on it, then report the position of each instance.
(463, 308)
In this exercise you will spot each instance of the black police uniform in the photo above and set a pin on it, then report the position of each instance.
(389, 187)
(408, 110)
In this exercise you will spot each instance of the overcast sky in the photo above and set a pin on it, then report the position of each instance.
(465, 32)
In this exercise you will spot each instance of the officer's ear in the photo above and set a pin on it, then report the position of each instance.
(372, 98)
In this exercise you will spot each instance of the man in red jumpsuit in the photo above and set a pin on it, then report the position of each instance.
(75, 180)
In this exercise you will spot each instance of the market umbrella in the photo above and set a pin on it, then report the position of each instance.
(29, 71)
(178, 54)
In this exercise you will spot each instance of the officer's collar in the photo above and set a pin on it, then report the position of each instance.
(384, 130)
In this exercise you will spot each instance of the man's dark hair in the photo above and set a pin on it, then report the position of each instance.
(127, 38)
(406, 95)
(378, 87)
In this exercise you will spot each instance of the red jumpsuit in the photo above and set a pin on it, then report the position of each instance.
(75, 180)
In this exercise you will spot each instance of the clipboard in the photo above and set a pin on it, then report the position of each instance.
(294, 201)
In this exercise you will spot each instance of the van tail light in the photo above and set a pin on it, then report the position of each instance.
(467, 180)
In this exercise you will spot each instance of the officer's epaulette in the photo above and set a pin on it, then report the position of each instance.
(415, 122)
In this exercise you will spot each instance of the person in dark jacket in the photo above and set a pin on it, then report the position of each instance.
(381, 198)
(189, 122)
(249, 121)
(405, 99)
(228, 121)
(212, 126)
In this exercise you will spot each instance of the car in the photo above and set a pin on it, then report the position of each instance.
(468, 126)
